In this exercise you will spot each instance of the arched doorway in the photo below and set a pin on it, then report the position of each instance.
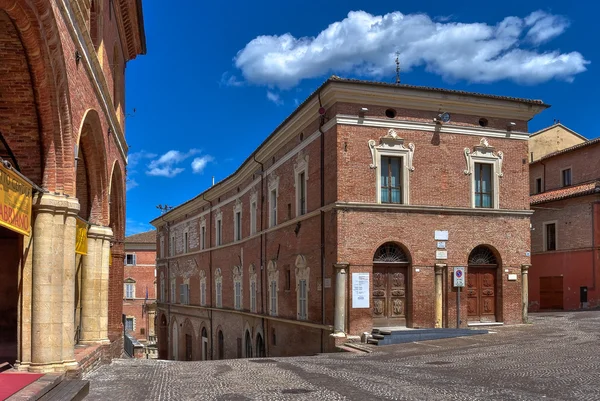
(481, 285)
(260, 346)
(220, 345)
(175, 342)
(163, 339)
(390, 278)
(248, 341)
(204, 344)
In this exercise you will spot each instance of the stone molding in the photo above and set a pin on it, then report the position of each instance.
(100, 232)
(49, 203)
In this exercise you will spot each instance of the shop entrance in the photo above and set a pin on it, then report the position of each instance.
(10, 244)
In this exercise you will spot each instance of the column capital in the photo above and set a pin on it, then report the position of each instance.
(100, 232)
(50, 203)
(525, 268)
(439, 268)
(341, 265)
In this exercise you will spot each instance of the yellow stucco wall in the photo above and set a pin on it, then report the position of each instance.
(553, 139)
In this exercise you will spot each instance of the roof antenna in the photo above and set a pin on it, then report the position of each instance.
(397, 68)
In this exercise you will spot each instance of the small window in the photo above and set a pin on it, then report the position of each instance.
(253, 296)
(538, 185)
(219, 295)
(129, 324)
(172, 246)
(130, 259)
(273, 300)
(302, 193)
(483, 185)
(273, 207)
(391, 179)
(238, 226)
(238, 295)
(173, 291)
(566, 177)
(162, 247)
(184, 294)
(219, 232)
(253, 218)
(390, 113)
(203, 237)
(551, 237)
(203, 293)
(130, 290)
(302, 300)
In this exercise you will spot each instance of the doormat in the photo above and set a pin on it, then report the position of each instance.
(10, 383)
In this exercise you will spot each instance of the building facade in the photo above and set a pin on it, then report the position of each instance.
(139, 285)
(565, 261)
(351, 215)
(62, 131)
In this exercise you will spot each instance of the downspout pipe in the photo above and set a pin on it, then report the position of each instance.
(322, 215)
(262, 264)
(210, 274)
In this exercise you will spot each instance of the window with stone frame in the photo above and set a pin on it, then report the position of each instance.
(302, 287)
(186, 241)
(273, 276)
(219, 228)
(395, 163)
(173, 290)
(130, 259)
(202, 288)
(484, 167)
(273, 195)
(184, 292)
(130, 323)
(253, 213)
(129, 289)
(218, 288)
(163, 289)
(252, 274)
(172, 245)
(301, 178)
(162, 247)
(238, 274)
(237, 221)
(203, 233)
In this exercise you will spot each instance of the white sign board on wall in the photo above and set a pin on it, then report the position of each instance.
(360, 290)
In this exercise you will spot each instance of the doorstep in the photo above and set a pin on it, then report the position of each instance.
(480, 324)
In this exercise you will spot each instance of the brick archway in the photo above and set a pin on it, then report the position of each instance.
(116, 222)
(39, 39)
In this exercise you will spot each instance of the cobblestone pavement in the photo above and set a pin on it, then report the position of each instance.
(555, 358)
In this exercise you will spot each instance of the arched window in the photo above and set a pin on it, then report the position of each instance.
(248, 345)
(221, 345)
(482, 256)
(390, 253)
(260, 346)
(204, 344)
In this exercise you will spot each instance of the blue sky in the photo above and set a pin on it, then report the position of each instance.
(220, 76)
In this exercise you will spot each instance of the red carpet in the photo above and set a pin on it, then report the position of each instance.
(10, 383)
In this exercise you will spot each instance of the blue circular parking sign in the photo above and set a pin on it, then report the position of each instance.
(459, 273)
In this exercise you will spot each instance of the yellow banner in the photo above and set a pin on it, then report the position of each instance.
(81, 241)
(15, 202)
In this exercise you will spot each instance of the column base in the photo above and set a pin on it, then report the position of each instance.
(338, 334)
(50, 367)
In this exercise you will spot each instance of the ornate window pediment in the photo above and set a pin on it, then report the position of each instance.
(392, 143)
(302, 271)
(486, 152)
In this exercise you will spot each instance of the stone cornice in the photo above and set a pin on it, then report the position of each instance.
(429, 209)
(48, 203)
(130, 21)
(74, 20)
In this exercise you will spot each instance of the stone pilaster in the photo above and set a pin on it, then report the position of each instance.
(525, 291)
(94, 287)
(52, 313)
(339, 318)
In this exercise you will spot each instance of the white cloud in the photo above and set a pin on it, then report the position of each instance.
(134, 158)
(275, 98)
(131, 184)
(365, 44)
(199, 163)
(545, 26)
(230, 80)
(165, 166)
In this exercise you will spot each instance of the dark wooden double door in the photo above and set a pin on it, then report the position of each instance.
(389, 295)
(551, 292)
(481, 294)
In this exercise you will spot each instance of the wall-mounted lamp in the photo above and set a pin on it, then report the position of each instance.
(510, 126)
(362, 111)
(77, 57)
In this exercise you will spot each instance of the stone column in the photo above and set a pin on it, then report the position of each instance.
(94, 287)
(24, 306)
(525, 291)
(439, 271)
(68, 293)
(49, 282)
(339, 318)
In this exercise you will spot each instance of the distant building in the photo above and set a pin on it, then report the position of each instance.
(139, 285)
(63, 154)
(565, 237)
(352, 215)
(552, 139)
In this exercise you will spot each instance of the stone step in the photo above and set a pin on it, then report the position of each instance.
(373, 341)
(68, 390)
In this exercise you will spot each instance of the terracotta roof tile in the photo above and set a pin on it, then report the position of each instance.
(564, 193)
(148, 237)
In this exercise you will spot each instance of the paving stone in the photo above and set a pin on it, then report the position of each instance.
(555, 358)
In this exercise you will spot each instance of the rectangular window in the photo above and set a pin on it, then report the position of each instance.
(302, 194)
(273, 208)
(186, 243)
(129, 290)
(566, 177)
(219, 232)
(238, 295)
(483, 185)
(538, 185)
(172, 246)
(238, 226)
(203, 237)
(173, 291)
(203, 293)
(129, 324)
(253, 296)
(391, 179)
(273, 298)
(551, 237)
(184, 295)
(219, 295)
(162, 247)
(162, 288)
(253, 218)
(130, 259)
(302, 300)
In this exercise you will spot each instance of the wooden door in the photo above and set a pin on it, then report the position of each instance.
(551, 292)
(389, 296)
(481, 294)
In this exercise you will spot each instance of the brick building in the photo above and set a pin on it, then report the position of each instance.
(565, 237)
(352, 215)
(139, 285)
(62, 129)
